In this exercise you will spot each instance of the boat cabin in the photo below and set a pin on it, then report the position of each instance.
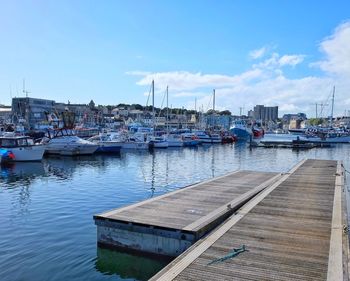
(16, 141)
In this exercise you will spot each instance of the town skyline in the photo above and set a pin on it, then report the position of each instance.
(111, 52)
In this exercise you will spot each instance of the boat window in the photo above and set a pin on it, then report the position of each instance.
(22, 142)
(8, 143)
(30, 141)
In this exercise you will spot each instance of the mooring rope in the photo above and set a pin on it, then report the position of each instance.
(232, 254)
(345, 169)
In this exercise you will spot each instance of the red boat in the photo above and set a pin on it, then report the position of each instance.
(258, 132)
(228, 138)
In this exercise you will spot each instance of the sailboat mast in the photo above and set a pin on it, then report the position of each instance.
(331, 117)
(213, 100)
(167, 109)
(153, 112)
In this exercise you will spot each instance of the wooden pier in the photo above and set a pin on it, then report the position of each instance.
(293, 230)
(169, 224)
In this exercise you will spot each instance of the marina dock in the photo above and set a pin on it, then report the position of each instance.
(169, 224)
(295, 229)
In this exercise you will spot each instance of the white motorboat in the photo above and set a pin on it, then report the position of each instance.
(63, 142)
(137, 141)
(158, 142)
(175, 140)
(190, 139)
(106, 144)
(22, 147)
(208, 138)
(215, 138)
(203, 137)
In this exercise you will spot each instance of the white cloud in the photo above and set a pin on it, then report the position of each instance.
(265, 83)
(258, 53)
(336, 49)
(275, 61)
(184, 80)
(292, 60)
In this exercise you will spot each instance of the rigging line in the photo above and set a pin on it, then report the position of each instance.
(208, 104)
(149, 94)
(163, 99)
(160, 111)
(326, 103)
(345, 169)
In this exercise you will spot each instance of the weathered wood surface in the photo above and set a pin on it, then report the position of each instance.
(291, 231)
(194, 207)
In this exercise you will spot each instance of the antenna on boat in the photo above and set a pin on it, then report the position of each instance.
(213, 100)
(153, 112)
(24, 88)
(331, 117)
(167, 109)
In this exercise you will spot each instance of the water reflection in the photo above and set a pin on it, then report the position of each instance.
(127, 266)
(23, 172)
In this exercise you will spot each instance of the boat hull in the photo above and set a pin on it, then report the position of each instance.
(241, 134)
(28, 153)
(108, 148)
(175, 143)
(70, 150)
(160, 144)
(191, 143)
(135, 145)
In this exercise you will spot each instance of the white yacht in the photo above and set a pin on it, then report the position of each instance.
(215, 138)
(106, 144)
(158, 142)
(175, 140)
(22, 147)
(136, 141)
(63, 142)
(203, 137)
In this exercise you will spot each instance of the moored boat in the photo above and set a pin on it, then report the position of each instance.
(158, 142)
(22, 147)
(64, 142)
(106, 144)
(175, 140)
(240, 130)
(190, 139)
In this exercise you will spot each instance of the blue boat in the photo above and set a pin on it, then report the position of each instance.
(240, 130)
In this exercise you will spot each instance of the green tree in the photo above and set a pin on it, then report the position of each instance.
(225, 112)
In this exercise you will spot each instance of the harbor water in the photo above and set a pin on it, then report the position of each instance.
(46, 227)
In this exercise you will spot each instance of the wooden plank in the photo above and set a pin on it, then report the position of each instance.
(183, 261)
(290, 241)
(219, 211)
(335, 261)
(204, 202)
(119, 210)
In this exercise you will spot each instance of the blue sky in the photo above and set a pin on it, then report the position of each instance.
(286, 53)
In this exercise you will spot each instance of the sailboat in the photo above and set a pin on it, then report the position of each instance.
(174, 140)
(156, 141)
(329, 134)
